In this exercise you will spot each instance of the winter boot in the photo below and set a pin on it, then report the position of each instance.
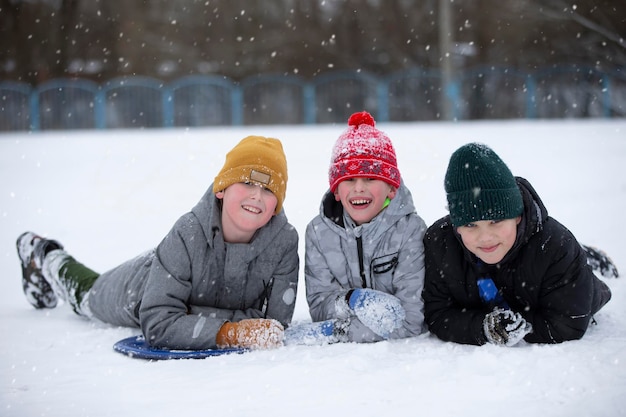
(70, 280)
(32, 250)
(600, 261)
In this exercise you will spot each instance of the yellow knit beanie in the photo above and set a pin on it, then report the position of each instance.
(257, 160)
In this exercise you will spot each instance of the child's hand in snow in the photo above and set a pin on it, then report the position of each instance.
(505, 327)
(251, 334)
(381, 312)
(317, 333)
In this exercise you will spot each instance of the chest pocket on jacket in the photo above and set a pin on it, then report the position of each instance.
(382, 269)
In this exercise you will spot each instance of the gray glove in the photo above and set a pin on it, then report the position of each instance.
(505, 327)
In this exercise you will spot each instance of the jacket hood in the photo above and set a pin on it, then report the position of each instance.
(208, 211)
(535, 213)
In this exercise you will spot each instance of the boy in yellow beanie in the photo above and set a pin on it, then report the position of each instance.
(225, 275)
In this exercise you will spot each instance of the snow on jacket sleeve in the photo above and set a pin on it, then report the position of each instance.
(329, 277)
(565, 297)
(327, 288)
(408, 277)
(191, 292)
(164, 314)
(450, 312)
(282, 296)
(322, 287)
(277, 301)
(276, 270)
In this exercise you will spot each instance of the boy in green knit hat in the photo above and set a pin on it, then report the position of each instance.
(498, 268)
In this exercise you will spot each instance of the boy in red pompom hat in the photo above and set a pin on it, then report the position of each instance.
(364, 261)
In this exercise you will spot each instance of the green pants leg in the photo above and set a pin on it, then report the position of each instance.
(70, 280)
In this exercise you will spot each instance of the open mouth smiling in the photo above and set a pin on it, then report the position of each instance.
(360, 202)
(251, 209)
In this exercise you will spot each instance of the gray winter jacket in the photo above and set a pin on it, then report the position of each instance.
(182, 292)
(392, 262)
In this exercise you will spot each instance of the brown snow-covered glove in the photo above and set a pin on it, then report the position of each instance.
(251, 334)
(505, 327)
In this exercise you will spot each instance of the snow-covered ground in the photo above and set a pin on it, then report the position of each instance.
(109, 195)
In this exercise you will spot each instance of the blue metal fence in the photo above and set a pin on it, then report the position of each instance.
(408, 95)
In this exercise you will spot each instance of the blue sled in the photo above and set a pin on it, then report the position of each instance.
(137, 347)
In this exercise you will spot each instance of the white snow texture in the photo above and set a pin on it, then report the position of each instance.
(109, 195)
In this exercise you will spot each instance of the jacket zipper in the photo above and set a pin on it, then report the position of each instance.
(359, 247)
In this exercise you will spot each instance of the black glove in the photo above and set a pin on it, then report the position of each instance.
(599, 261)
(505, 327)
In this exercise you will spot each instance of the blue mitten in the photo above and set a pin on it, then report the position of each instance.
(381, 312)
(317, 333)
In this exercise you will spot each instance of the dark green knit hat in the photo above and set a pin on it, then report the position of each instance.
(479, 186)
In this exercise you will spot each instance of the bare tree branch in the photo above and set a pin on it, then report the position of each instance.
(570, 14)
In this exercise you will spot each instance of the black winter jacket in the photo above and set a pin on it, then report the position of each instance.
(545, 277)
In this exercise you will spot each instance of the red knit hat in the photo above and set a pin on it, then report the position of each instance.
(363, 151)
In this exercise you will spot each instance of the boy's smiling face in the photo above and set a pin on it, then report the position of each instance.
(363, 198)
(245, 209)
(489, 240)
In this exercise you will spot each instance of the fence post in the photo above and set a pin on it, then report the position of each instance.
(531, 97)
(168, 107)
(100, 109)
(382, 91)
(236, 106)
(35, 122)
(449, 94)
(453, 93)
(606, 95)
(308, 92)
